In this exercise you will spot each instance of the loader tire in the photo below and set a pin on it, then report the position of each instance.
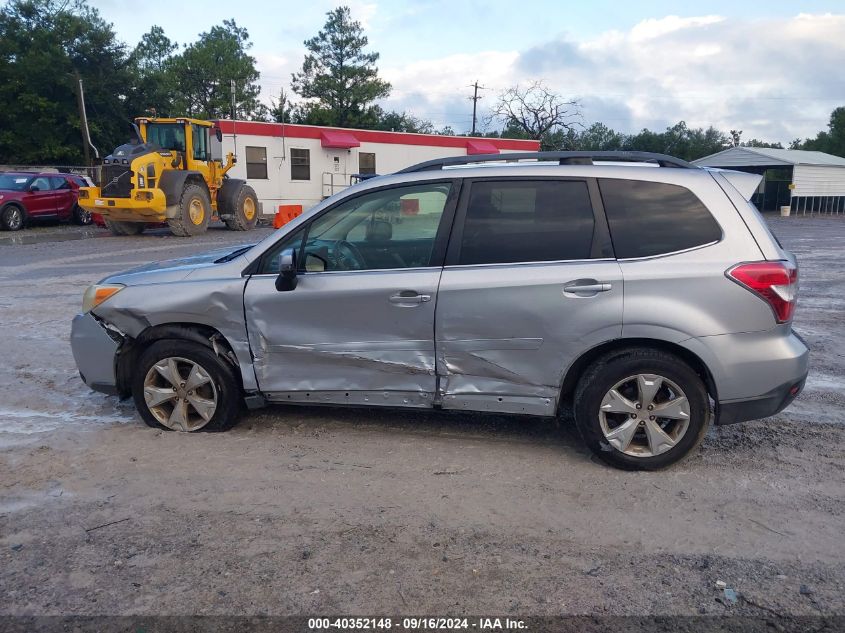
(193, 212)
(124, 228)
(243, 213)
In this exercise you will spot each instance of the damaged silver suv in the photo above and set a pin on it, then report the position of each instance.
(643, 293)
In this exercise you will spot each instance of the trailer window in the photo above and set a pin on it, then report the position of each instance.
(366, 163)
(256, 163)
(300, 164)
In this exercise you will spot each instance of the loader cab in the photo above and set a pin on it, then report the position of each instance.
(191, 141)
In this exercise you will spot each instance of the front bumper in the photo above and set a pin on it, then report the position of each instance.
(147, 205)
(94, 350)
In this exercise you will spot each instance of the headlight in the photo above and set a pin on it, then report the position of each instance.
(96, 294)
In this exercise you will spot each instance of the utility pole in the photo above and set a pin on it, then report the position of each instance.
(83, 120)
(474, 98)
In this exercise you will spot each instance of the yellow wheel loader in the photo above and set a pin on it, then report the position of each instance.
(169, 174)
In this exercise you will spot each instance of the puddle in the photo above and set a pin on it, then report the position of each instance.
(26, 422)
(30, 238)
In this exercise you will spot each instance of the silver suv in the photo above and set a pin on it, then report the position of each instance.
(630, 288)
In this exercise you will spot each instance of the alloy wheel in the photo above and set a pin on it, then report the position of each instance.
(644, 415)
(14, 219)
(180, 394)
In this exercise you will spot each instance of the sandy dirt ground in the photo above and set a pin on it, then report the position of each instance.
(322, 511)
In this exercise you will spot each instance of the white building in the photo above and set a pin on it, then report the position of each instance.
(289, 164)
(809, 182)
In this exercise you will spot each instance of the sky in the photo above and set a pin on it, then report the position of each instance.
(772, 69)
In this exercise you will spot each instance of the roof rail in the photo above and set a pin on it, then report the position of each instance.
(563, 158)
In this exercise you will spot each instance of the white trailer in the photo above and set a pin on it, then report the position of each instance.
(290, 164)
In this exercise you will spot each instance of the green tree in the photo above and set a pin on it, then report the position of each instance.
(679, 140)
(402, 122)
(203, 73)
(44, 44)
(152, 61)
(599, 137)
(338, 77)
(833, 140)
(758, 143)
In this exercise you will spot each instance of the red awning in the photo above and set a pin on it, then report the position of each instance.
(338, 140)
(481, 147)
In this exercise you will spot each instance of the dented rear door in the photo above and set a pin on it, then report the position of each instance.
(530, 283)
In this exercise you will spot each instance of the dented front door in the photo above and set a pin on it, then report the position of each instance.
(363, 337)
(358, 327)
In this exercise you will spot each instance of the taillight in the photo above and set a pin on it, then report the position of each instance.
(774, 282)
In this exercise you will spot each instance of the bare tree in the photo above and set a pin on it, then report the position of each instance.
(536, 111)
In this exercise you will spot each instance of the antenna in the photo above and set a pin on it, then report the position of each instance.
(234, 118)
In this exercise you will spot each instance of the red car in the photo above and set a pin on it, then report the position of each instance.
(27, 196)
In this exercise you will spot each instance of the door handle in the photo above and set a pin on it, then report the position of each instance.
(582, 287)
(407, 298)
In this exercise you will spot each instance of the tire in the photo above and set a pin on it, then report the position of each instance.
(193, 212)
(220, 387)
(80, 216)
(242, 213)
(628, 436)
(13, 217)
(124, 228)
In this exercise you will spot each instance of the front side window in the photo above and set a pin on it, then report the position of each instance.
(653, 218)
(387, 229)
(256, 163)
(270, 260)
(300, 164)
(527, 221)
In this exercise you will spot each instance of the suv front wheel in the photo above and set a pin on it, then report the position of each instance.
(184, 386)
(641, 409)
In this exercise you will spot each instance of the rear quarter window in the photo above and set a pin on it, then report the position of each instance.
(654, 218)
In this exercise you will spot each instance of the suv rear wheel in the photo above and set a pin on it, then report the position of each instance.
(641, 409)
(184, 386)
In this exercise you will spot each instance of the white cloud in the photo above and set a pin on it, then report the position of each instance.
(652, 28)
(775, 79)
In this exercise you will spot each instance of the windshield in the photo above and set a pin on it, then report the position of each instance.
(167, 135)
(14, 182)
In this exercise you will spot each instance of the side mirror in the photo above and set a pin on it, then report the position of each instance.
(34, 189)
(219, 133)
(287, 270)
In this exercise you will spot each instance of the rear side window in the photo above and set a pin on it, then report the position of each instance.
(527, 221)
(653, 218)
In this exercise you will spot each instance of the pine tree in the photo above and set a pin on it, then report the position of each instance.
(338, 77)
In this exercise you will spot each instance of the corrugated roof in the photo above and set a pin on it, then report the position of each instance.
(765, 156)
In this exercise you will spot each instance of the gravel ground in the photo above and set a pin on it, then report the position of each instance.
(321, 511)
